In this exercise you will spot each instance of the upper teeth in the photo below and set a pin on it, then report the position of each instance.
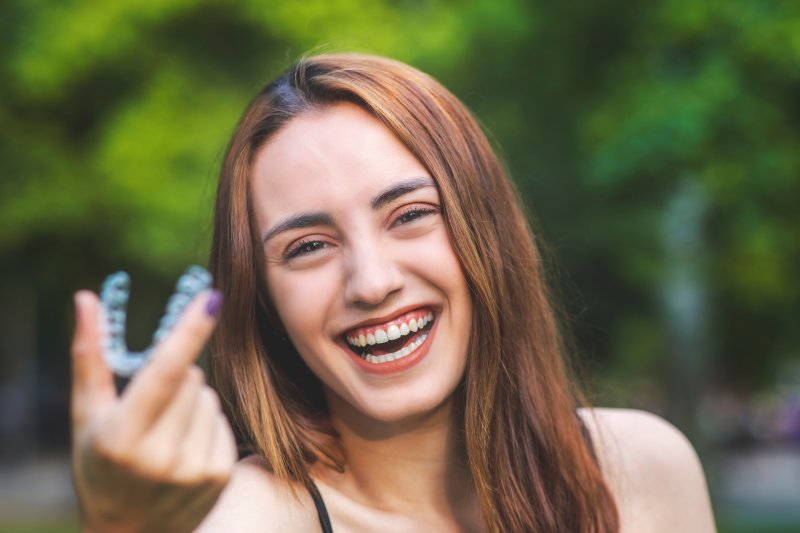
(393, 332)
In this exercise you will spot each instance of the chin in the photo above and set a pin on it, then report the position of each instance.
(407, 404)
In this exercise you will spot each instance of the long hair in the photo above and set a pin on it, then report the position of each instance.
(532, 467)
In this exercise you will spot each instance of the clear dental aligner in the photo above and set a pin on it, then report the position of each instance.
(114, 296)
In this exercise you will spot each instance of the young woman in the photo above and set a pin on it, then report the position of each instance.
(386, 348)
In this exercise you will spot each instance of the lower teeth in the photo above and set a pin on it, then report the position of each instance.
(399, 354)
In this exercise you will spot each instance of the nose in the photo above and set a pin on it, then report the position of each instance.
(372, 275)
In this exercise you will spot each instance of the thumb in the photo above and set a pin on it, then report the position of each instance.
(92, 381)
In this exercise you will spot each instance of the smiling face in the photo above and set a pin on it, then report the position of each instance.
(359, 264)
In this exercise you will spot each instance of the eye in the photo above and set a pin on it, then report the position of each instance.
(413, 213)
(304, 247)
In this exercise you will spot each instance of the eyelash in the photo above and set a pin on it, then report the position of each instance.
(302, 248)
(406, 216)
(307, 247)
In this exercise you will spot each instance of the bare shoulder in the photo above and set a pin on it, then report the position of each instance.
(255, 500)
(652, 470)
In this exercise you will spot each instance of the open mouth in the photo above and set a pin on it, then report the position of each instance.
(393, 340)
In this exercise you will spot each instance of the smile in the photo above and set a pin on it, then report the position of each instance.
(393, 340)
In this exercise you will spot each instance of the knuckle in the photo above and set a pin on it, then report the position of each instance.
(189, 475)
(197, 472)
(158, 461)
(111, 450)
(219, 477)
(210, 399)
(103, 445)
(195, 375)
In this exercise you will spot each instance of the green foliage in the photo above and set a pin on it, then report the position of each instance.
(708, 93)
(115, 116)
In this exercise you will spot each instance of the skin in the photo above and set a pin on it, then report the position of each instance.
(157, 457)
(406, 469)
(650, 467)
(652, 470)
(367, 261)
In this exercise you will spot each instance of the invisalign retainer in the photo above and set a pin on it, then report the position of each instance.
(114, 297)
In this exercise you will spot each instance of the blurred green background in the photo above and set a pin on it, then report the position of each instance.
(656, 143)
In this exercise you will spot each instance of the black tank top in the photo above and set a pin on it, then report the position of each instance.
(322, 511)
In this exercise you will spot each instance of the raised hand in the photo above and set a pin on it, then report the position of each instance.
(157, 457)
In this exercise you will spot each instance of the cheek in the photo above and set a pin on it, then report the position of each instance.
(302, 299)
(436, 261)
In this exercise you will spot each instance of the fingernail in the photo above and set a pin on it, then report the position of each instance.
(214, 303)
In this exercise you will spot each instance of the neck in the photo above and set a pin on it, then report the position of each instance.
(413, 465)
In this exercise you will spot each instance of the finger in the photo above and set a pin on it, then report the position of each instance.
(161, 443)
(223, 452)
(199, 439)
(92, 381)
(153, 387)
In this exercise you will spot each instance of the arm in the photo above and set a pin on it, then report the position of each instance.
(652, 470)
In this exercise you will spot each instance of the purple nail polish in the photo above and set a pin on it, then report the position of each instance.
(214, 303)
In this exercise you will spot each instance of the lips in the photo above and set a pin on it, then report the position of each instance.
(393, 339)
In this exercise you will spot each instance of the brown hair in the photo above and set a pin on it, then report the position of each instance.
(532, 468)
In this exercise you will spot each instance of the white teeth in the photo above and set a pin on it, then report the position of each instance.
(399, 354)
(419, 341)
(381, 336)
(393, 332)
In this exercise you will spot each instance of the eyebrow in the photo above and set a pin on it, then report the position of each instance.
(303, 220)
(399, 189)
(320, 218)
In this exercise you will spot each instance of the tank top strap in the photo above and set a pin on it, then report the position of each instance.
(322, 511)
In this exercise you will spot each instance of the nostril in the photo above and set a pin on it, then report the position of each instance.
(372, 274)
(372, 291)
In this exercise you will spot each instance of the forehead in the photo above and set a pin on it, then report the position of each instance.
(327, 159)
